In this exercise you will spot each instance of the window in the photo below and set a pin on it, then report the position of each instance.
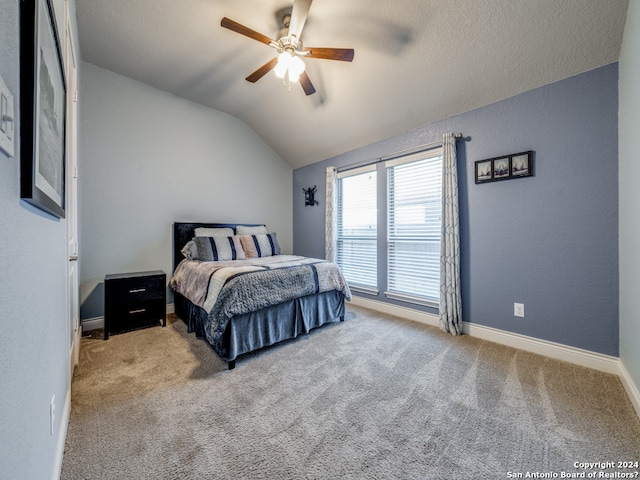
(357, 232)
(414, 209)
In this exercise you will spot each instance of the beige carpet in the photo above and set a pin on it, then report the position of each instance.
(373, 397)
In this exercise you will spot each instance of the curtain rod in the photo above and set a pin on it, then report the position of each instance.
(399, 153)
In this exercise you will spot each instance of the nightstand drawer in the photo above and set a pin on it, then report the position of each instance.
(135, 315)
(138, 289)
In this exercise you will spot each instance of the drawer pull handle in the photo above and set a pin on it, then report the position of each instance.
(137, 290)
(140, 310)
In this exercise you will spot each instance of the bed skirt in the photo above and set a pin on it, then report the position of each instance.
(251, 331)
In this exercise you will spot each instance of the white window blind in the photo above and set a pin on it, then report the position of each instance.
(357, 232)
(414, 209)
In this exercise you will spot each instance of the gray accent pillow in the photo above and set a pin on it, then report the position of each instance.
(190, 250)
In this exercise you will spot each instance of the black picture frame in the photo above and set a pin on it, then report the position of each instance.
(43, 101)
(484, 171)
(501, 168)
(505, 167)
(521, 165)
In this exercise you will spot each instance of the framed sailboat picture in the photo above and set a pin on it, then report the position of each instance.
(505, 167)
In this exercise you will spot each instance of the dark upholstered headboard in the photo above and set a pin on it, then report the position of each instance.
(183, 232)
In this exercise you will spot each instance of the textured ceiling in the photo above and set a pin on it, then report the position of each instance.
(416, 61)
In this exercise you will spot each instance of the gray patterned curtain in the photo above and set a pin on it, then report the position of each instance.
(450, 296)
(331, 214)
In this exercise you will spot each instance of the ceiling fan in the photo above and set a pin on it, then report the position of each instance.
(288, 63)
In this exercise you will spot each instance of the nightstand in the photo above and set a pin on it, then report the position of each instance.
(134, 300)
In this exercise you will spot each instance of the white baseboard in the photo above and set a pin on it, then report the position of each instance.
(62, 436)
(94, 323)
(630, 387)
(578, 356)
(558, 351)
(98, 322)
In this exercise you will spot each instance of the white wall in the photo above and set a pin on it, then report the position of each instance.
(629, 203)
(34, 345)
(148, 159)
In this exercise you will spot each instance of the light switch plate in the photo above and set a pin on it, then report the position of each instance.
(6, 120)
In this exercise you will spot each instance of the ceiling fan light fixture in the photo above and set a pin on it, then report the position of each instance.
(284, 60)
(296, 66)
(290, 65)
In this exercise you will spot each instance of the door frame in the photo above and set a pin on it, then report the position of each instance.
(74, 329)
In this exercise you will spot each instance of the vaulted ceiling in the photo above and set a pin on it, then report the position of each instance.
(416, 61)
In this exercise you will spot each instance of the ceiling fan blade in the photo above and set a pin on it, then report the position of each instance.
(307, 86)
(263, 70)
(344, 54)
(246, 31)
(299, 17)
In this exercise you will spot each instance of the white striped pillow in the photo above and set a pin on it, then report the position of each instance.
(216, 249)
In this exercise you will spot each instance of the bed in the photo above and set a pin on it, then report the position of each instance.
(241, 302)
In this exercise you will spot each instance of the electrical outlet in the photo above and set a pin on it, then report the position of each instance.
(52, 414)
(518, 310)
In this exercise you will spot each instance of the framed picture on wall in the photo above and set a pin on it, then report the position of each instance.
(484, 171)
(521, 165)
(505, 167)
(500, 168)
(42, 109)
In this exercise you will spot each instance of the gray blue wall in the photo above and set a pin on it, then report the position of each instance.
(34, 345)
(148, 159)
(630, 195)
(550, 241)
